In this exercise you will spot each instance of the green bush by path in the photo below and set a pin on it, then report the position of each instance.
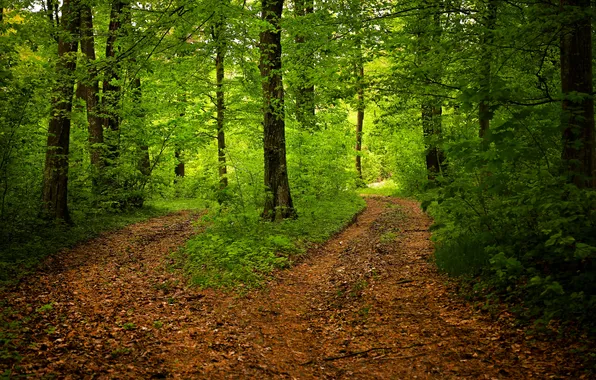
(239, 248)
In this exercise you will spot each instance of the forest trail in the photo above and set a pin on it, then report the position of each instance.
(368, 304)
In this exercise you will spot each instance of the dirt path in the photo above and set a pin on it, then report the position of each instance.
(368, 305)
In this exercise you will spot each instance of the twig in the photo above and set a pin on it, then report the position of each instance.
(331, 358)
(417, 344)
(400, 357)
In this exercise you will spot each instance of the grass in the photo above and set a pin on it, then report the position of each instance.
(386, 187)
(241, 249)
(23, 247)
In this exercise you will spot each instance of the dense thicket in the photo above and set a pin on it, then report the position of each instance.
(484, 109)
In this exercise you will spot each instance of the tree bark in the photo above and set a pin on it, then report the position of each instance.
(579, 142)
(431, 109)
(484, 112)
(431, 127)
(111, 87)
(220, 54)
(55, 185)
(144, 163)
(278, 200)
(179, 169)
(90, 90)
(305, 92)
(360, 114)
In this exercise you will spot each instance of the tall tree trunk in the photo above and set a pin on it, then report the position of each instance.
(431, 128)
(55, 185)
(489, 22)
(360, 113)
(90, 91)
(305, 92)
(431, 109)
(579, 142)
(220, 56)
(144, 163)
(111, 87)
(278, 200)
(179, 169)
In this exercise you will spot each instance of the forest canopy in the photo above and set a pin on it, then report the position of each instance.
(276, 111)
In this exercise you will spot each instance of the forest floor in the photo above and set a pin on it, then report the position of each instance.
(368, 304)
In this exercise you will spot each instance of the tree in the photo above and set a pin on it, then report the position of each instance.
(220, 56)
(579, 142)
(278, 200)
(89, 89)
(432, 108)
(489, 18)
(305, 91)
(360, 108)
(55, 187)
(111, 83)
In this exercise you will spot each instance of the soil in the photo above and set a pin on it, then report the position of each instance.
(368, 304)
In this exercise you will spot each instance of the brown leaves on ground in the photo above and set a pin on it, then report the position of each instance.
(368, 304)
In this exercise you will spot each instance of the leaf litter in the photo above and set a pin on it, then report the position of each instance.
(368, 304)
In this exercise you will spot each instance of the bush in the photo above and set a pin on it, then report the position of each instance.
(238, 247)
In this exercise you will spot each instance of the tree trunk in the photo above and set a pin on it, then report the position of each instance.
(55, 185)
(431, 127)
(278, 200)
(179, 169)
(360, 115)
(144, 163)
(111, 87)
(305, 92)
(484, 112)
(578, 154)
(90, 90)
(431, 109)
(220, 55)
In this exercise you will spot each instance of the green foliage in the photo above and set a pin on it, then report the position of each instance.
(388, 237)
(240, 248)
(465, 256)
(529, 234)
(387, 188)
(128, 326)
(8, 328)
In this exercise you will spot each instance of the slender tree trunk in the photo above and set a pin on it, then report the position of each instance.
(144, 163)
(55, 186)
(305, 92)
(579, 142)
(431, 109)
(431, 127)
(220, 55)
(484, 113)
(278, 200)
(179, 169)
(359, 115)
(111, 87)
(90, 90)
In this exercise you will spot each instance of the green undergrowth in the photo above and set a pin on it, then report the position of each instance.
(387, 187)
(240, 249)
(23, 247)
(463, 257)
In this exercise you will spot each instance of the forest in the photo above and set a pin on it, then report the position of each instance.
(270, 119)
